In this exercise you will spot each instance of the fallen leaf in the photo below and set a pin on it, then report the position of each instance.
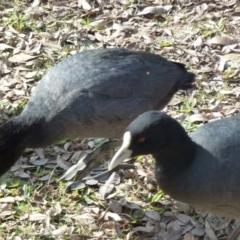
(21, 57)
(37, 217)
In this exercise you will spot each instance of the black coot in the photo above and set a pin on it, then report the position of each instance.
(95, 93)
(202, 169)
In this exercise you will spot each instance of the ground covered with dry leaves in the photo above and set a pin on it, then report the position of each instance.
(35, 35)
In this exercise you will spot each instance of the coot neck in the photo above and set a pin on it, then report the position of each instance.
(13, 141)
(15, 130)
(176, 156)
(21, 131)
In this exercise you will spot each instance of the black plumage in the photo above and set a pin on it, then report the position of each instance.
(201, 169)
(95, 93)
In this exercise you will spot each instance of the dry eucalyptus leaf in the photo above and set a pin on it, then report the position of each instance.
(15, 167)
(95, 210)
(40, 162)
(91, 144)
(183, 207)
(210, 233)
(188, 236)
(30, 74)
(115, 206)
(175, 101)
(71, 172)
(202, 8)
(132, 206)
(19, 92)
(129, 235)
(6, 213)
(35, 3)
(109, 186)
(21, 57)
(39, 199)
(99, 37)
(4, 46)
(76, 156)
(229, 48)
(194, 60)
(222, 40)
(198, 117)
(222, 64)
(66, 146)
(183, 218)
(3, 186)
(17, 238)
(33, 158)
(85, 4)
(153, 215)
(226, 92)
(168, 32)
(40, 152)
(106, 189)
(62, 163)
(155, 10)
(84, 219)
(198, 231)
(60, 231)
(91, 182)
(229, 3)
(7, 200)
(35, 217)
(223, 223)
(113, 216)
(22, 174)
(100, 23)
(233, 59)
(143, 229)
(198, 42)
(45, 177)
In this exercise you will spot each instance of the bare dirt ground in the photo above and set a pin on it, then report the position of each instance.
(35, 35)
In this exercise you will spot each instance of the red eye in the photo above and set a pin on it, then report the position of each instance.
(141, 139)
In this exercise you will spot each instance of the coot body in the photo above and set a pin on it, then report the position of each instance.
(201, 169)
(95, 93)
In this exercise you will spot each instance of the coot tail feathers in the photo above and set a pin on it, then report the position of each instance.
(188, 79)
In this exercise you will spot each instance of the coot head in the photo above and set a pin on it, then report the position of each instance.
(155, 133)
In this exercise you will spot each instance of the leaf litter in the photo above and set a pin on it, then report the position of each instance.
(35, 35)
